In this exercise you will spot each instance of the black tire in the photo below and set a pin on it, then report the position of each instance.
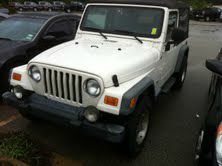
(134, 143)
(35, 9)
(68, 10)
(207, 19)
(20, 9)
(181, 76)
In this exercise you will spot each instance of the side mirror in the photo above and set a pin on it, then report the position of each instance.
(178, 35)
(48, 38)
(214, 65)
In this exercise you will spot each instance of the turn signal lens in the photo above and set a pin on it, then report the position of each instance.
(111, 101)
(219, 129)
(132, 103)
(16, 76)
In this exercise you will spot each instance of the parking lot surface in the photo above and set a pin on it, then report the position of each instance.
(175, 121)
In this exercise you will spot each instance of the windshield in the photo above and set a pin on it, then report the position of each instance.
(20, 29)
(142, 22)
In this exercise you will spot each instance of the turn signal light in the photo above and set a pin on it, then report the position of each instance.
(16, 76)
(132, 103)
(111, 101)
(219, 129)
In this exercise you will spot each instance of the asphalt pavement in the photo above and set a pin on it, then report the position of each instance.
(175, 120)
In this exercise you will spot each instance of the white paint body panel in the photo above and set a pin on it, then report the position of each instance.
(120, 55)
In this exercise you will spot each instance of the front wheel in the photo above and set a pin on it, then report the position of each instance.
(137, 127)
(181, 76)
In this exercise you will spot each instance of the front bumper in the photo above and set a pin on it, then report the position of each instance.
(41, 107)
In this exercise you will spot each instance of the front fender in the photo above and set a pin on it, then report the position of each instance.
(125, 93)
(24, 82)
(135, 92)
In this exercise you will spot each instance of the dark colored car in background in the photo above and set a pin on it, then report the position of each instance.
(209, 144)
(16, 5)
(44, 5)
(58, 5)
(23, 36)
(74, 6)
(208, 14)
(29, 5)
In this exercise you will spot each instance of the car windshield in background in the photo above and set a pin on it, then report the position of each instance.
(20, 29)
(136, 21)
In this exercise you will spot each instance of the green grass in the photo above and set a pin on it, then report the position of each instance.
(19, 146)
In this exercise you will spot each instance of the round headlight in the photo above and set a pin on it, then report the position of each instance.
(92, 87)
(35, 73)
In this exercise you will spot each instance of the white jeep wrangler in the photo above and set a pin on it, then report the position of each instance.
(126, 52)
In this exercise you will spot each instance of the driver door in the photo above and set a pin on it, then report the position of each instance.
(171, 50)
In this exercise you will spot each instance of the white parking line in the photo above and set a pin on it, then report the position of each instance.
(9, 120)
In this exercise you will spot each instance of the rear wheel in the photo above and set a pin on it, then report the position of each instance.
(137, 127)
(50, 9)
(20, 9)
(181, 76)
(35, 9)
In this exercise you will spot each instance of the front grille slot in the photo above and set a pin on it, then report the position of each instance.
(63, 85)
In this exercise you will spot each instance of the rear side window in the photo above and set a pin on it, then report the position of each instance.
(60, 29)
(172, 24)
(184, 20)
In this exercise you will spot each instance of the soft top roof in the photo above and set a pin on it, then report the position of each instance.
(173, 4)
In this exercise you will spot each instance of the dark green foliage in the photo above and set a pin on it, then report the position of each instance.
(19, 146)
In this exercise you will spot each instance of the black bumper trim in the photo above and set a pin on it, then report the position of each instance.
(41, 107)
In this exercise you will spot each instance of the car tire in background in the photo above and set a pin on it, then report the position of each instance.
(20, 9)
(50, 9)
(137, 127)
(207, 19)
(35, 9)
(68, 11)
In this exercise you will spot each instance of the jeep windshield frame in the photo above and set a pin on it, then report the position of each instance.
(120, 20)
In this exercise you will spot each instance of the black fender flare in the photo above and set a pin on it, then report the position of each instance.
(184, 52)
(135, 92)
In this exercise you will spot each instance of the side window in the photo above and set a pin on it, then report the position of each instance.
(172, 24)
(59, 29)
(73, 23)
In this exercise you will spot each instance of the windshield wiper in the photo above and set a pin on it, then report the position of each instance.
(97, 30)
(129, 33)
(2, 38)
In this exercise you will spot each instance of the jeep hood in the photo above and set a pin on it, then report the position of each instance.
(102, 58)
